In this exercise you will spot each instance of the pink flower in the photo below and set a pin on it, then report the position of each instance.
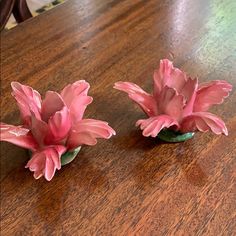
(178, 102)
(53, 126)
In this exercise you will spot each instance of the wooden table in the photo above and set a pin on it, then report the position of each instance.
(128, 185)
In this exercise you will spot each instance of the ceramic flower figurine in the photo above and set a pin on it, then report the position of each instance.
(178, 105)
(53, 129)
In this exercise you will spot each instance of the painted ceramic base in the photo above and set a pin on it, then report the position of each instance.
(69, 156)
(172, 136)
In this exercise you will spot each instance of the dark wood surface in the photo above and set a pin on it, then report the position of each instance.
(128, 185)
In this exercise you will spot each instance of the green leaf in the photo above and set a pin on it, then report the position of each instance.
(69, 156)
(174, 137)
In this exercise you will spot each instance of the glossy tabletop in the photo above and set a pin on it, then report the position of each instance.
(128, 185)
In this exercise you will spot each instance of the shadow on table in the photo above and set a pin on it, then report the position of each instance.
(163, 160)
(13, 158)
(69, 190)
(51, 203)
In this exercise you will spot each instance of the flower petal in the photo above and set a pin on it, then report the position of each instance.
(28, 100)
(170, 103)
(78, 106)
(50, 169)
(18, 135)
(77, 139)
(168, 75)
(37, 164)
(87, 131)
(40, 130)
(76, 99)
(71, 91)
(60, 124)
(51, 104)
(203, 121)
(189, 92)
(46, 161)
(152, 126)
(211, 93)
(143, 99)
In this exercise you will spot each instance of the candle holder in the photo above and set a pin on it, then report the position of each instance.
(53, 129)
(178, 106)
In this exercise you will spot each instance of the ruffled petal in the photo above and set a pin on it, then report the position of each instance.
(60, 124)
(77, 139)
(143, 99)
(189, 92)
(18, 135)
(37, 164)
(46, 161)
(168, 75)
(71, 91)
(203, 121)
(211, 93)
(40, 130)
(28, 100)
(76, 99)
(171, 103)
(51, 104)
(78, 107)
(87, 131)
(152, 126)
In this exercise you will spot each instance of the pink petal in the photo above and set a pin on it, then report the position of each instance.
(211, 93)
(87, 131)
(18, 135)
(50, 168)
(71, 91)
(152, 126)
(143, 99)
(189, 92)
(170, 103)
(168, 75)
(46, 161)
(60, 124)
(40, 130)
(51, 104)
(37, 164)
(78, 106)
(28, 101)
(76, 99)
(77, 139)
(203, 121)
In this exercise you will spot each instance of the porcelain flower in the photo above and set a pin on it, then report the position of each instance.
(178, 102)
(53, 126)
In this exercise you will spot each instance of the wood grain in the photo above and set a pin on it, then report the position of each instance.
(128, 185)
